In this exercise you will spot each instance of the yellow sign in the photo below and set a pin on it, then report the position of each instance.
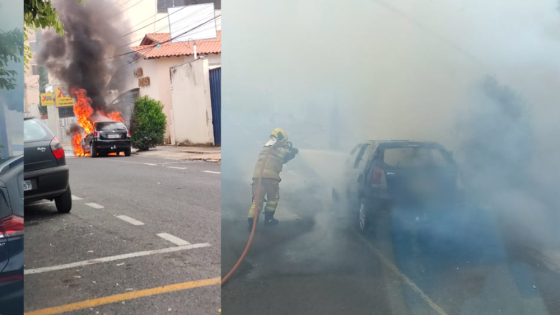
(47, 99)
(62, 98)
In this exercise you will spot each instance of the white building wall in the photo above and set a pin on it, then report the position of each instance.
(192, 107)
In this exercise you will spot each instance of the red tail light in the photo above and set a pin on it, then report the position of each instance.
(128, 133)
(11, 226)
(95, 134)
(377, 176)
(57, 149)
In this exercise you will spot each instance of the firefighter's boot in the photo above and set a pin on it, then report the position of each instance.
(250, 221)
(269, 219)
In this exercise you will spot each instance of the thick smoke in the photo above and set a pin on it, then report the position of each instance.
(85, 57)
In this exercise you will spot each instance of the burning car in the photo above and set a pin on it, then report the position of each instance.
(380, 174)
(107, 137)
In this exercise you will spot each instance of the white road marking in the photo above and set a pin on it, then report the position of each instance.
(130, 220)
(212, 172)
(173, 239)
(179, 168)
(94, 205)
(406, 279)
(76, 198)
(151, 164)
(113, 258)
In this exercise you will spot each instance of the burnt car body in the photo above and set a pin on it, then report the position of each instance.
(107, 137)
(382, 174)
(46, 174)
(11, 236)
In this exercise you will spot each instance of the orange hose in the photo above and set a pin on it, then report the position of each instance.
(258, 202)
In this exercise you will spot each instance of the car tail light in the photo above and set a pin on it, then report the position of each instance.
(128, 133)
(11, 278)
(95, 134)
(11, 226)
(57, 149)
(377, 176)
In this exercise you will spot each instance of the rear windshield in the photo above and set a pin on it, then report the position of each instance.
(415, 157)
(33, 131)
(110, 126)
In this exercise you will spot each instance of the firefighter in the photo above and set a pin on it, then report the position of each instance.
(277, 151)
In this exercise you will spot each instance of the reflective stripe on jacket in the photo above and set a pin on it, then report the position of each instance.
(279, 155)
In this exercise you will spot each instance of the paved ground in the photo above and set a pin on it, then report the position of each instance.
(316, 263)
(164, 213)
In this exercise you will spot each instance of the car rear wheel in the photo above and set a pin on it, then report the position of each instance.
(64, 201)
(364, 218)
(127, 152)
(92, 150)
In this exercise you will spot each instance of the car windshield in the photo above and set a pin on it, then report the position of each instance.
(33, 131)
(110, 126)
(412, 157)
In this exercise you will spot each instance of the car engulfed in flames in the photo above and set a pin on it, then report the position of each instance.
(87, 116)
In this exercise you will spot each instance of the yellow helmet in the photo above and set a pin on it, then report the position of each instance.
(279, 134)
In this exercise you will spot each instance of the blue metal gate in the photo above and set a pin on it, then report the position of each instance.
(216, 97)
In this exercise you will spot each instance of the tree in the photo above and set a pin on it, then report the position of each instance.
(10, 50)
(147, 126)
(40, 14)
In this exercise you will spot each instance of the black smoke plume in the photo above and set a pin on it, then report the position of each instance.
(85, 56)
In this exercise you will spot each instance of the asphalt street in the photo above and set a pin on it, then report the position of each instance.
(143, 237)
(315, 261)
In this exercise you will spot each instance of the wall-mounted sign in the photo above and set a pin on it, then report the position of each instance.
(62, 97)
(142, 82)
(47, 99)
(138, 73)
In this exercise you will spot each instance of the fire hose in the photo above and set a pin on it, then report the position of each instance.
(258, 203)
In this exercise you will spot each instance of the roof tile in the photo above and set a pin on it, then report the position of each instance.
(169, 49)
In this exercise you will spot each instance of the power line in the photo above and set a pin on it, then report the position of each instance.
(428, 30)
(167, 16)
(127, 8)
(178, 23)
(152, 46)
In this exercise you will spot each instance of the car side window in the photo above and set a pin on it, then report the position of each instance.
(360, 156)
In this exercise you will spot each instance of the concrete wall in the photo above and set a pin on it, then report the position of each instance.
(192, 107)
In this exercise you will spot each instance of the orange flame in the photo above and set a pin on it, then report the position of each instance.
(116, 116)
(77, 145)
(87, 116)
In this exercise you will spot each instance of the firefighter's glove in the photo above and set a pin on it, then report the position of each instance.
(294, 151)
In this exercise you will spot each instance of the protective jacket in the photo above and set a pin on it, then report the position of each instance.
(280, 153)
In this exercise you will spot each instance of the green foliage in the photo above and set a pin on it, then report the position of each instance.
(11, 49)
(147, 126)
(41, 14)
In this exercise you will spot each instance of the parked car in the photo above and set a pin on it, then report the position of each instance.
(107, 137)
(45, 173)
(11, 236)
(380, 174)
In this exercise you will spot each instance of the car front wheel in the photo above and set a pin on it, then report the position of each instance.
(64, 201)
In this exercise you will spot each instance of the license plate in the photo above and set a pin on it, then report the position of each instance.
(27, 185)
(113, 136)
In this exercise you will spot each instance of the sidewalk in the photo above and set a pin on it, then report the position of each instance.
(209, 154)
